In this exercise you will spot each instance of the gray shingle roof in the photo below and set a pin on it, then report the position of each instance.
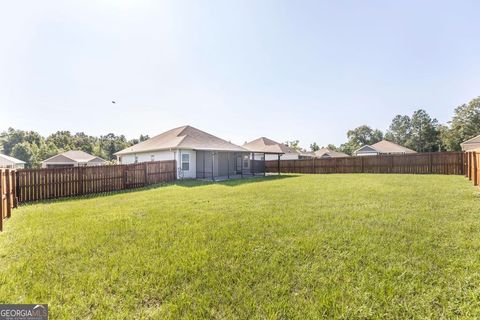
(471, 144)
(327, 153)
(74, 155)
(265, 145)
(11, 159)
(186, 137)
(385, 146)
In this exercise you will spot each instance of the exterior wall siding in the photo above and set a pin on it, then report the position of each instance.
(165, 155)
(286, 156)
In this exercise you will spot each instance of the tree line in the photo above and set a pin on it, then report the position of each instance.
(419, 132)
(33, 148)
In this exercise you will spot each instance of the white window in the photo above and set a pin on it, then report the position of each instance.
(185, 161)
(245, 161)
(152, 157)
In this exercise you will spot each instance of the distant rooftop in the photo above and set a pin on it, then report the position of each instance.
(265, 145)
(12, 159)
(75, 155)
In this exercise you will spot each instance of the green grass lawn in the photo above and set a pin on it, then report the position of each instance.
(343, 246)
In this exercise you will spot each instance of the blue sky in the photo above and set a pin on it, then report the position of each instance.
(306, 70)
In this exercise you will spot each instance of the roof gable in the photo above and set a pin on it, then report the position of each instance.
(265, 145)
(472, 140)
(385, 146)
(327, 153)
(366, 149)
(74, 156)
(59, 158)
(11, 159)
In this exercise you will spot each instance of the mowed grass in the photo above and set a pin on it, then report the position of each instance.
(300, 246)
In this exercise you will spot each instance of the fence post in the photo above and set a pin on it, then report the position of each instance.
(278, 163)
(175, 169)
(8, 193)
(125, 176)
(313, 165)
(475, 173)
(1, 199)
(430, 164)
(17, 186)
(469, 166)
(472, 159)
(80, 179)
(145, 167)
(14, 188)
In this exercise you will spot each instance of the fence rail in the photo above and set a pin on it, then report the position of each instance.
(421, 163)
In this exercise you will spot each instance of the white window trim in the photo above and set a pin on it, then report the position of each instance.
(187, 162)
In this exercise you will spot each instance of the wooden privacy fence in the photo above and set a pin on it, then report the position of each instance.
(7, 194)
(422, 163)
(40, 184)
(473, 167)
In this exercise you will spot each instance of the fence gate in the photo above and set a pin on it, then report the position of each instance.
(135, 175)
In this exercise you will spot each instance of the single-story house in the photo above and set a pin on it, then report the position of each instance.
(272, 149)
(73, 158)
(382, 147)
(8, 162)
(471, 144)
(198, 154)
(327, 153)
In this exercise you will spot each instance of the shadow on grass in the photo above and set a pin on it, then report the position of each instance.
(191, 183)
(188, 183)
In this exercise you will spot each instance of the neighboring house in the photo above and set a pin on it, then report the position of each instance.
(306, 155)
(8, 162)
(382, 147)
(272, 149)
(198, 154)
(327, 153)
(471, 144)
(74, 158)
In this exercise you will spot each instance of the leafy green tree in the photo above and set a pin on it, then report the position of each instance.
(314, 147)
(424, 137)
(84, 142)
(400, 130)
(12, 137)
(333, 147)
(27, 152)
(465, 125)
(62, 139)
(46, 150)
(360, 136)
(294, 144)
(111, 143)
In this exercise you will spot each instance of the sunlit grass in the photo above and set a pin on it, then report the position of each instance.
(345, 246)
